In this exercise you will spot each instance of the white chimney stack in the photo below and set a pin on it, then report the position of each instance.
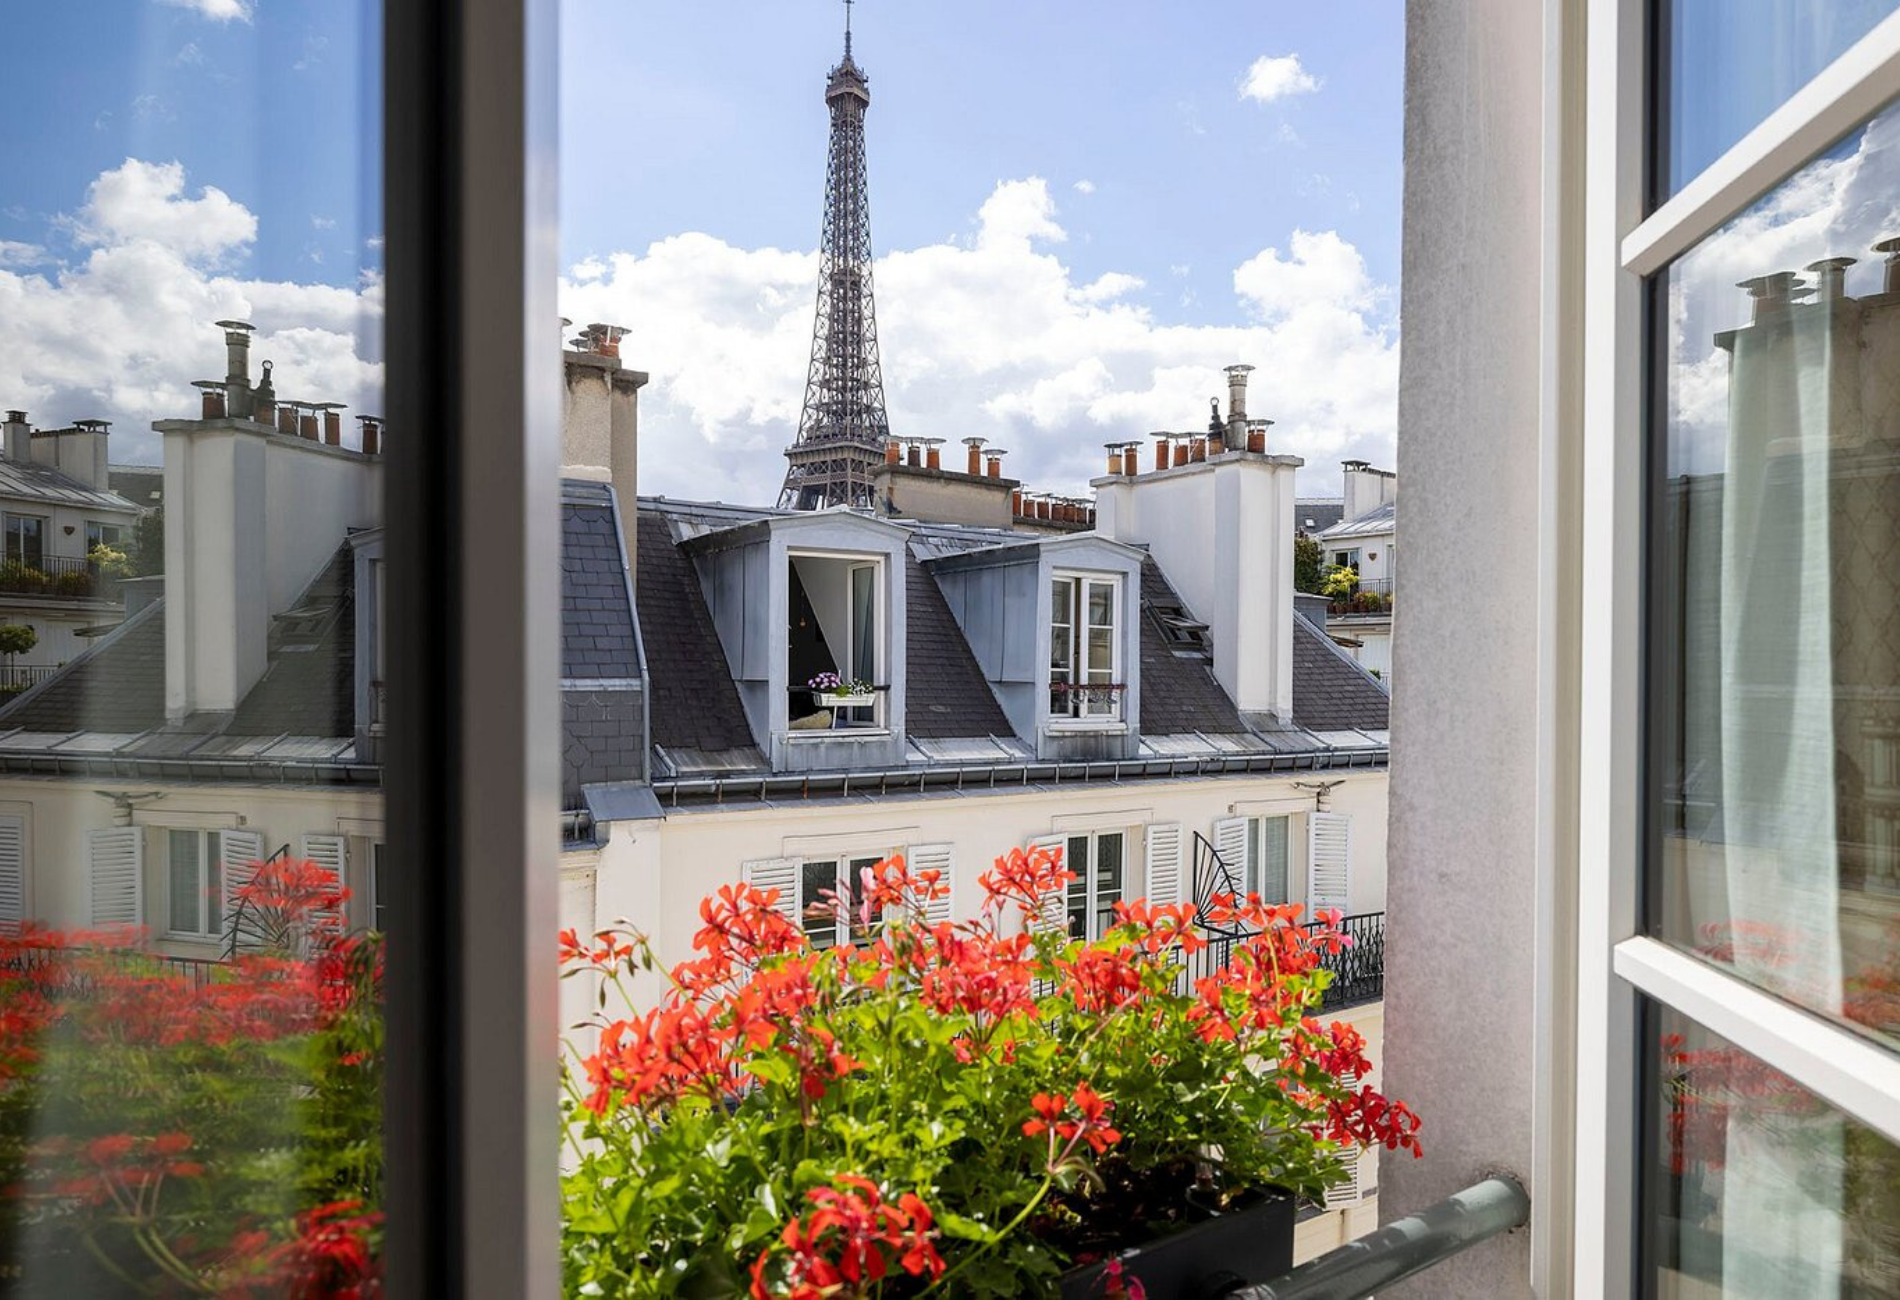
(1222, 531)
(600, 419)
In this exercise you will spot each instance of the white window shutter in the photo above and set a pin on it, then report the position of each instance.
(1328, 861)
(1230, 844)
(239, 853)
(116, 862)
(1352, 1191)
(1164, 863)
(780, 874)
(12, 872)
(934, 857)
(330, 853)
(1055, 907)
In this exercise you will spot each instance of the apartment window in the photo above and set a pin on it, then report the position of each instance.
(1084, 648)
(1099, 861)
(831, 893)
(26, 540)
(103, 534)
(1750, 904)
(835, 642)
(1346, 560)
(194, 884)
(1266, 869)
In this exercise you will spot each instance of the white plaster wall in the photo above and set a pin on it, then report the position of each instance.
(313, 494)
(59, 813)
(1222, 530)
(1459, 1039)
(655, 873)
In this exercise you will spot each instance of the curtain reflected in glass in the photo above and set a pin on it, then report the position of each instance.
(1776, 705)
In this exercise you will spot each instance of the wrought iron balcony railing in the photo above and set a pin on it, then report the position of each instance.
(15, 678)
(57, 576)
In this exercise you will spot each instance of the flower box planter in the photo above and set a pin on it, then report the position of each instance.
(856, 700)
(1249, 1244)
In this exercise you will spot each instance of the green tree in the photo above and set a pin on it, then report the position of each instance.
(16, 639)
(1309, 558)
(148, 544)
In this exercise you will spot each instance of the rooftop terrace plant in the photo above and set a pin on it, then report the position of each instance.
(958, 1108)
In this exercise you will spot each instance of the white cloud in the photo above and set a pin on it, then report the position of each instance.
(15, 253)
(121, 331)
(189, 55)
(142, 202)
(1277, 77)
(1085, 186)
(322, 223)
(993, 336)
(223, 11)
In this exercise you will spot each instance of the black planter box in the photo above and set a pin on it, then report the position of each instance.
(1205, 1261)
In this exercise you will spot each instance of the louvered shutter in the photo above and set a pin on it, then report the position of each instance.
(1055, 907)
(12, 872)
(780, 874)
(116, 863)
(934, 857)
(1352, 1190)
(329, 852)
(1230, 845)
(1328, 861)
(239, 853)
(1164, 862)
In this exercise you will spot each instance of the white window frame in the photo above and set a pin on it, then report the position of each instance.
(844, 875)
(1087, 876)
(1081, 579)
(206, 859)
(1615, 962)
(102, 526)
(6, 536)
(882, 594)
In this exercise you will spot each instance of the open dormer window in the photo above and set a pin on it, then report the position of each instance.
(836, 676)
(1085, 648)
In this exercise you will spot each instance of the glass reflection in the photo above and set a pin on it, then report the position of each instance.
(190, 726)
(1724, 65)
(1758, 1187)
(1776, 706)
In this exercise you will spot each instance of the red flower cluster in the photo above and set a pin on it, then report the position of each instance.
(1092, 1127)
(847, 1244)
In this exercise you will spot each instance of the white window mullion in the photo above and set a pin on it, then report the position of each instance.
(1850, 89)
(1851, 1072)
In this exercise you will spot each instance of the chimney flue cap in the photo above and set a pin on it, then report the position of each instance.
(93, 426)
(16, 417)
(236, 326)
(974, 442)
(1239, 368)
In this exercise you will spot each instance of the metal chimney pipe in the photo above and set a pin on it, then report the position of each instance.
(1237, 402)
(1830, 277)
(1891, 279)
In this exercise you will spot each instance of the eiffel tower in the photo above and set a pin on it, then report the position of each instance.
(843, 428)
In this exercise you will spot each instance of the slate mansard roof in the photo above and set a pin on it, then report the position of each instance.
(647, 696)
(952, 717)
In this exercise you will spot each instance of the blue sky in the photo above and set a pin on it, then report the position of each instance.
(676, 121)
(1081, 213)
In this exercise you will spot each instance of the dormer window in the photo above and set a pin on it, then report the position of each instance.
(1085, 682)
(836, 672)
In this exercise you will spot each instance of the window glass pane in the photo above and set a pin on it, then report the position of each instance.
(1755, 1186)
(864, 624)
(1076, 860)
(818, 901)
(1776, 664)
(191, 254)
(1108, 876)
(1724, 65)
(1273, 839)
(186, 882)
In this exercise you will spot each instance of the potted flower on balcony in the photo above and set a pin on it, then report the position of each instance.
(976, 1108)
(835, 692)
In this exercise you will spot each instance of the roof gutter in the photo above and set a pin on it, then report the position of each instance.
(771, 787)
